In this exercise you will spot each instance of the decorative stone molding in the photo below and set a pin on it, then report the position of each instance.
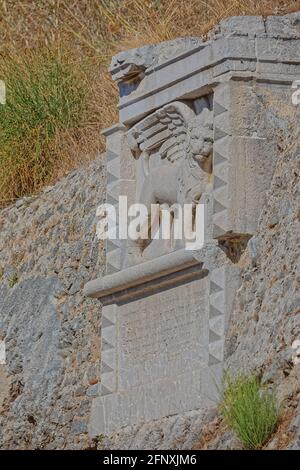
(252, 49)
(108, 350)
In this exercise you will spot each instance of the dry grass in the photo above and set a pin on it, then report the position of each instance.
(87, 34)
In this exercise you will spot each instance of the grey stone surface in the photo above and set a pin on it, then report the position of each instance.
(175, 432)
(133, 63)
(241, 26)
(264, 321)
(48, 249)
(179, 159)
(55, 370)
(253, 46)
(247, 113)
(155, 358)
(284, 26)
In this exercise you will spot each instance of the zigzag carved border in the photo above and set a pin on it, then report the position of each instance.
(108, 350)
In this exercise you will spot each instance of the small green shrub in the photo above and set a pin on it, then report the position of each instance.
(13, 280)
(249, 409)
(99, 441)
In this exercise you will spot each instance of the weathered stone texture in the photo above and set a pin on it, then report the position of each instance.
(265, 319)
(48, 249)
(207, 126)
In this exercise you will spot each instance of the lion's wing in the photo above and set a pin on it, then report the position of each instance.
(163, 131)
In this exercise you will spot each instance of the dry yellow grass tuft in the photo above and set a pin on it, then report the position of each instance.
(83, 34)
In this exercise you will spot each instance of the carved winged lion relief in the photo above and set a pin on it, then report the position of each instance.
(173, 147)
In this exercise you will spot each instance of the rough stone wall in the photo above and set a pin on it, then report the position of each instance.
(266, 319)
(48, 250)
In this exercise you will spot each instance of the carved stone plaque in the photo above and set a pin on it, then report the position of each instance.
(158, 358)
(163, 335)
